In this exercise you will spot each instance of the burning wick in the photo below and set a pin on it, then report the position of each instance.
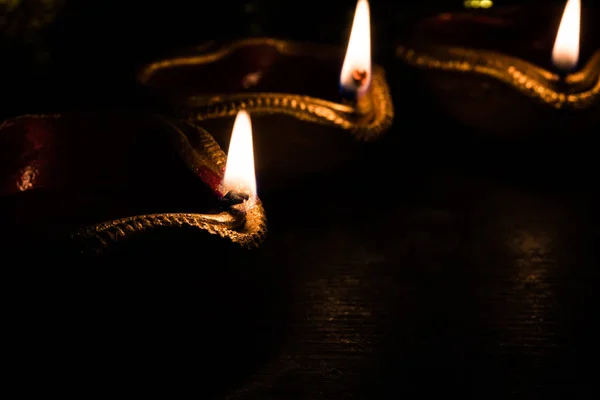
(359, 77)
(358, 98)
(355, 77)
(239, 181)
(233, 198)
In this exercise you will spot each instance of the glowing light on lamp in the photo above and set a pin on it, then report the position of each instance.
(478, 3)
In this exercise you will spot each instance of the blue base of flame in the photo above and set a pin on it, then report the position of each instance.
(348, 94)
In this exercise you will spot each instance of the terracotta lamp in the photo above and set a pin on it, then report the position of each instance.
(512, 71)
(94, 181)
(312, 101)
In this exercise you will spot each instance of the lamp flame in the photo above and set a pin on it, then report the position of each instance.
(239, 170)
(565, 54)
(356, 70)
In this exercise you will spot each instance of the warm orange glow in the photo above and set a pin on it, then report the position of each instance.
(239, 171)
(356, 70)
(565, 54)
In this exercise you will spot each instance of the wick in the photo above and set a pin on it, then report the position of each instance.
(562, 74)
(562, 84)
(355, 97)
(233, 198)
(359, 76)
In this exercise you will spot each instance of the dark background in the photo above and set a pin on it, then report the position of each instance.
(441, 263)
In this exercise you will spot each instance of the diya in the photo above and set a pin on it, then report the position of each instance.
(512, 71)
(275, 80)
(97, 180)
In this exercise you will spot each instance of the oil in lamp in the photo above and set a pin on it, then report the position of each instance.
(95, 180)
(278, 79)
(512, 71)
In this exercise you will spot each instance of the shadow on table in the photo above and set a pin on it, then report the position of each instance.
(179, 317)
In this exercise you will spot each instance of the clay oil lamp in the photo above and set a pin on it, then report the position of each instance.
(96, 181)
(522, 70)
(312, 102)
